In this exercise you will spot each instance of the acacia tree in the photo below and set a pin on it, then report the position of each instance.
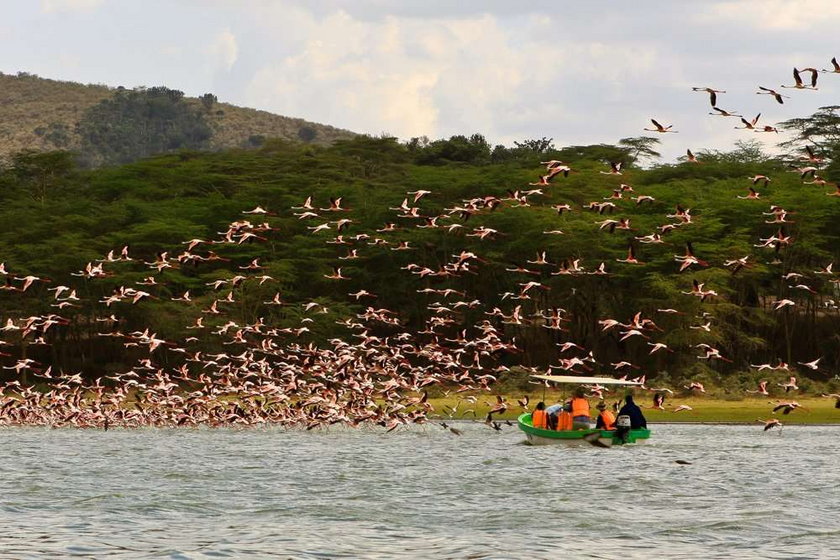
(536, 145)
(819, 133)
(641, 147)
(822, 129)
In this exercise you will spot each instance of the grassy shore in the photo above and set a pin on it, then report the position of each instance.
(815, 410)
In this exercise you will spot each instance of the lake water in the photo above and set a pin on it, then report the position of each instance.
(418, 493)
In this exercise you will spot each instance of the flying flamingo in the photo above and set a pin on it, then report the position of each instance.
(772, 423)
(797, 79)
(712, 93)
(836, 69)
(776, 95)
(749, 125)
(762, 389)
(659, 127)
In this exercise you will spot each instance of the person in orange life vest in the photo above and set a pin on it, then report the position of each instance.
(606, 419)
(580, 411)
(539, 418)
(564, 417)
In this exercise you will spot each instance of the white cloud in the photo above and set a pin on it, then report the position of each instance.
(440, 77)
(778, 15)
(64, 6)
(224, 49)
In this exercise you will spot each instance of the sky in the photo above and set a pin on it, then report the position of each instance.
(578, 72)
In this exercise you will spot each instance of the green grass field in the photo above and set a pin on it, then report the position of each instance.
(815, 410)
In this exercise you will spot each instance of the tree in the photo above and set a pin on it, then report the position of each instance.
(418, 143)
(42, 173)
(538, 146)
(594, 152)
(820, 133)
(137, 123)
(208, 100)
(474, 149)
(307, 133)
(822, 129)
(641, 147)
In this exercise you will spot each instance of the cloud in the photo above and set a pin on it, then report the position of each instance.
(367, 77)
(65, 6)
(224, 49)
(776, 15)
(439, 77)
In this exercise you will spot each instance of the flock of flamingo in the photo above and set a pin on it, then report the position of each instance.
(267, 376)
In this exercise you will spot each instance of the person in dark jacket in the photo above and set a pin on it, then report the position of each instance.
(631, 409)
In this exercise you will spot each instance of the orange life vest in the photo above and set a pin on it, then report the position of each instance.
(608, 420)
(564, 421)
(538, 419)
(580, 407)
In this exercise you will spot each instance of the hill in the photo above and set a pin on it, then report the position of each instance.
(42, 114)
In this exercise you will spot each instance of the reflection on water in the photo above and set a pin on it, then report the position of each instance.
(417, 493)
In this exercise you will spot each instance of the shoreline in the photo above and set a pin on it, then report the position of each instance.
(814, 410)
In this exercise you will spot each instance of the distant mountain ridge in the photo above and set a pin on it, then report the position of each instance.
(43, 114)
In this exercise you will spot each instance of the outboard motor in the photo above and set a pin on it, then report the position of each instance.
(622, 427)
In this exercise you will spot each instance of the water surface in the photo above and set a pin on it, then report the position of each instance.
(419, 493)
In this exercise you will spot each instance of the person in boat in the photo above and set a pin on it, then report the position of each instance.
(539, 418)
(606, 419)
(564, 418)
(631, 409)
(552, 412)
(580, 411)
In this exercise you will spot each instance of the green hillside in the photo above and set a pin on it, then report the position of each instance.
(41, 114)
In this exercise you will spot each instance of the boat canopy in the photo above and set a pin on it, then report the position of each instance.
(582, 380)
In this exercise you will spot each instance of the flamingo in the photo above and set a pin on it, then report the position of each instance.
(615, 168)
(259, 210)
(836, 66)
(753, 195)
(776, 95)
(724, 113)
(790, 385)
(786, 407)
(762, 389)
(782, 303)
(631, 256)
(737, 264)
(813, 364)
(659, 127)
(691, 158)
(749, 125)
(418, 194)
(759, 179)
(695, 386)
(688, 258)
(657, 346)
(307, 205)
(712, 93)
(810, 156)
(772, 423)
(797, 79)
(336, 275)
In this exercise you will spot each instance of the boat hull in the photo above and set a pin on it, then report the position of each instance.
(572, 438)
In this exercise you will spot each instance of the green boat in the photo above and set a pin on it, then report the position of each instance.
(600, 438)
(604, 438)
